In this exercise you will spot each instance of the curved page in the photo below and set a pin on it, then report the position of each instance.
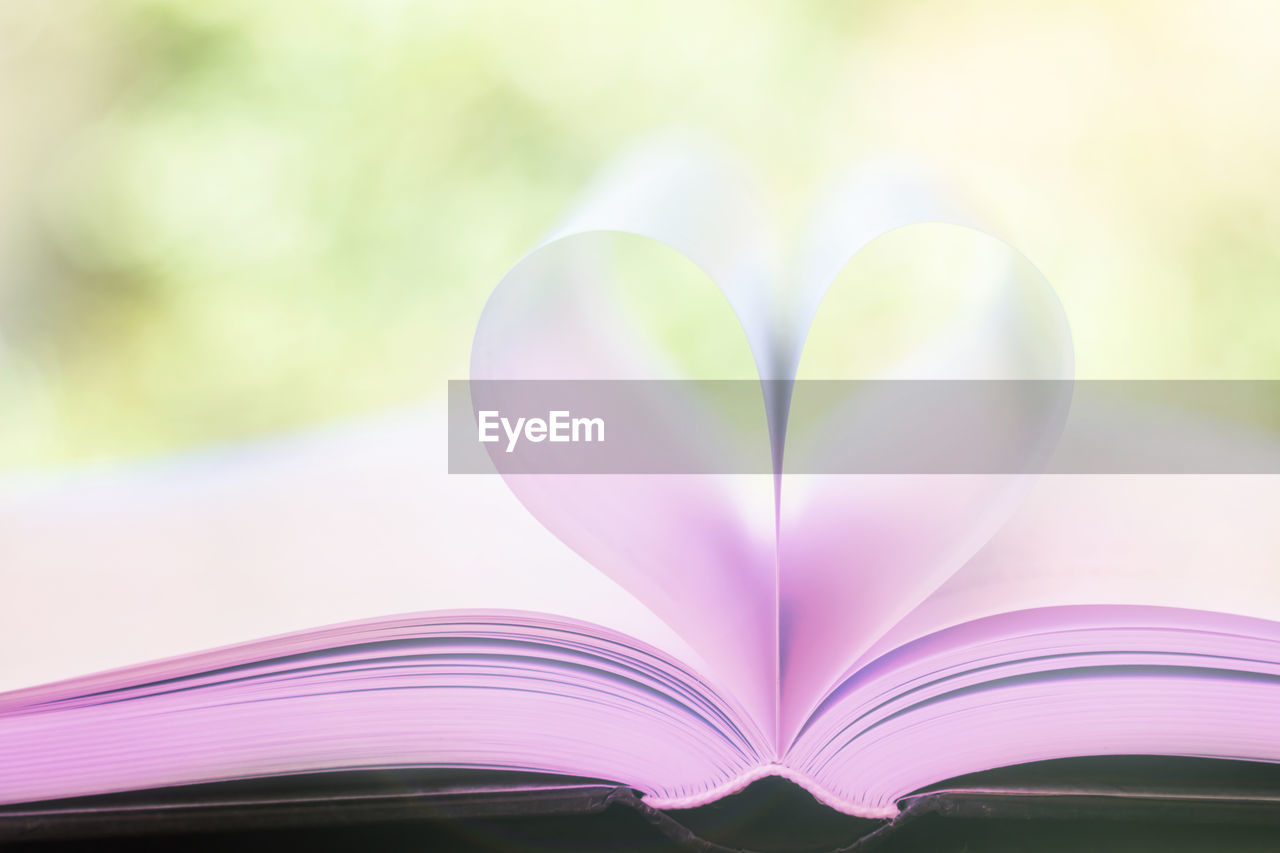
(460, 689)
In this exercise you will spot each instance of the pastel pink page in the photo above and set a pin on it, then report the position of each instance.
(463, 689)
(696, 549)
(856, 553)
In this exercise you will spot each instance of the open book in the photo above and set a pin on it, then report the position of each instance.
(864, 635)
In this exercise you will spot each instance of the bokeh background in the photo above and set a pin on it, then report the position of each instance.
(226, 219)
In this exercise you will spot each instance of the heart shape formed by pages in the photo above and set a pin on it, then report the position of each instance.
(778, 579)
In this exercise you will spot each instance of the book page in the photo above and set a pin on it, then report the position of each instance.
(113, 567)
(860, 547)
(1197, 541)
(660, 273)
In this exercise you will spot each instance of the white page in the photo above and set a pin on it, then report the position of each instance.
(1201, 542)
(108, 568)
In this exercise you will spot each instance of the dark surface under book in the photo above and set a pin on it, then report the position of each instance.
(1116, 803)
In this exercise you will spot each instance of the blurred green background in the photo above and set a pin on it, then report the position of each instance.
(223, 219)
